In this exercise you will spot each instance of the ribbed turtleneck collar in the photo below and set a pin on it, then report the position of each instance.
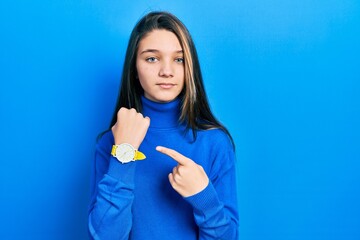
(162, 115)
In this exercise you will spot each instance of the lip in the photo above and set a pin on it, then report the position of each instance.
(166, 85)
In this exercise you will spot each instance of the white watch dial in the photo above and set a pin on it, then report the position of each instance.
(125, 153)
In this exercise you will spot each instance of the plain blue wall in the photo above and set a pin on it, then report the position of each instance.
(282, 75)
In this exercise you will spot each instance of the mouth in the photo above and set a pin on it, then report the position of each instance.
(166, 85)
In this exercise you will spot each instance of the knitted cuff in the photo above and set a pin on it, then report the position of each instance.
(204, 200)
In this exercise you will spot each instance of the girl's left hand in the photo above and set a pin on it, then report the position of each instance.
(187, 178)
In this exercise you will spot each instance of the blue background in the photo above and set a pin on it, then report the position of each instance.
(283, 76)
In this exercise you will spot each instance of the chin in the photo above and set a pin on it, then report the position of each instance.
(164, 99)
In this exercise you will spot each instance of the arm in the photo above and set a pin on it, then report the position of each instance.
(213, 200)
(215, 208)
(110, 215)
(112, 196)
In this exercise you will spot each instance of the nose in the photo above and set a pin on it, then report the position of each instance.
(166, 70)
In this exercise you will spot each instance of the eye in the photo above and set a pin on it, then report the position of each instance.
(151, 59)
(179, 60)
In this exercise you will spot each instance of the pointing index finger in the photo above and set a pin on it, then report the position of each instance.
(181, 159)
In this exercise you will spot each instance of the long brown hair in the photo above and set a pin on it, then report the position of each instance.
(195, 109)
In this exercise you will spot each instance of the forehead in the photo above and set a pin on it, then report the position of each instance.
(161, 40)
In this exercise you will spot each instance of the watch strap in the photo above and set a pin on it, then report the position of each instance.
(113, 150)
(138, 155)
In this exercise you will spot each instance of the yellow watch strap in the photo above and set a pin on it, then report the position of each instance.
(113, 150)
(139, 155)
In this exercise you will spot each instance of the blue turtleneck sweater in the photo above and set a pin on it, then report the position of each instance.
(136, 201)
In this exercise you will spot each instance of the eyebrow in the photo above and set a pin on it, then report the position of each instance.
(156, 51)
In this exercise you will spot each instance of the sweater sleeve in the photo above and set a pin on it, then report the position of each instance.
(110, 215)
(215, 208)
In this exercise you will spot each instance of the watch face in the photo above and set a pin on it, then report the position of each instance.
(125, 153)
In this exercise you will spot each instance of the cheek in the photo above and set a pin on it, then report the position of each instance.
(144, 74)
(143, 80)
(181, 75)
(148, 70)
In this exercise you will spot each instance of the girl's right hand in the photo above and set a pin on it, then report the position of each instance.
(130, 127)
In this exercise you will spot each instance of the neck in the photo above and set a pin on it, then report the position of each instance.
(162, 115)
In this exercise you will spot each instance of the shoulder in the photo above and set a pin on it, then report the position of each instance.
(216, 137)
(221, 154)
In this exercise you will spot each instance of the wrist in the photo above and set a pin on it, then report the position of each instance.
(125, 153)
(123, 140)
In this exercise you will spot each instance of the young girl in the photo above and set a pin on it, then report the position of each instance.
(166, 168)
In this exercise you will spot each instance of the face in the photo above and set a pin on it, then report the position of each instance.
(160, 66)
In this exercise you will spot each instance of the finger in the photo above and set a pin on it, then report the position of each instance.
(133, 111)
(173, 183)
(122, 110)
(147, 120)
(171, 179)
(181, 159)
(175, 171)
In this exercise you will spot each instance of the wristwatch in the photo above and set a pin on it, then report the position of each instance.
(125, 153)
